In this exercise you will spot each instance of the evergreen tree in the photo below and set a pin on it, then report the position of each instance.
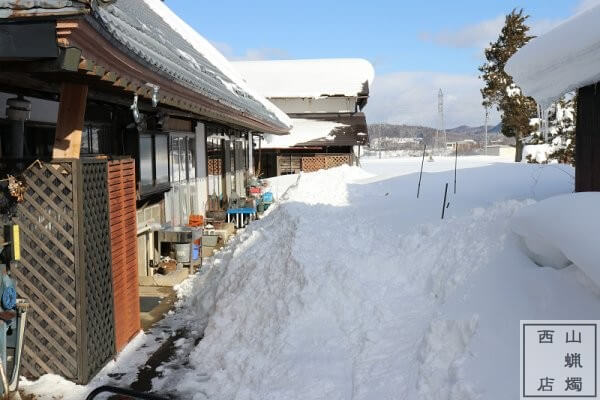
(499, 90)
(564, 135)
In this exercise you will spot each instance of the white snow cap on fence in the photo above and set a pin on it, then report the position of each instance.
(204, 47)
(560, 61)
(562, 230)
(308, 78)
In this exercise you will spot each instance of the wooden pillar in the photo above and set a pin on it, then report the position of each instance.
(587, 149)
(71, 114)
(227, 168)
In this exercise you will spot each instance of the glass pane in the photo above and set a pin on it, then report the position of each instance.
(191, 157)
(94, 139)
(85, 147)
(232, 150)
(176, 166)
(146, 178)
(162, 158)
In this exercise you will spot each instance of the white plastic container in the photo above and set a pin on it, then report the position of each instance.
(182, 252)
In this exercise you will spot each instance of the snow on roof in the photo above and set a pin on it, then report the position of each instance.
(304, 130)
(204, 47)
(150, 30)
(562, 60)
(308, 78)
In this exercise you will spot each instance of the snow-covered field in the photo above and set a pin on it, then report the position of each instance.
(351, 288)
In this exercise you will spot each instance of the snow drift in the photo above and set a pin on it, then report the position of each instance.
(563, 230)
(337, 294)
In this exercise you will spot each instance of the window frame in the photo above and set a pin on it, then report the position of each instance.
(156, 186)
(104, 129)
(189, 151)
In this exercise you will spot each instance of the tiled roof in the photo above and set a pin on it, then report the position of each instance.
(12, 8)
(139, 30)
(135, 28)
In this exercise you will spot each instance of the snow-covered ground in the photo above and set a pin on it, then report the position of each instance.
(351, 288)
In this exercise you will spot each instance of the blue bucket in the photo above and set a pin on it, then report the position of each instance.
(268, 197)
(195, 251)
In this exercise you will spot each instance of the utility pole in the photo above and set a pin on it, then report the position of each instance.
(441, 116)
(487, 114)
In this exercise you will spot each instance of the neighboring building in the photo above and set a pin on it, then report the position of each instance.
(325, 99)
(563, 60)
(464, 146)
(126, 106)
(502, 151)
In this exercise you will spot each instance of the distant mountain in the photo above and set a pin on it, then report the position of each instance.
(392, 130)
(389, 136)
(475, 130)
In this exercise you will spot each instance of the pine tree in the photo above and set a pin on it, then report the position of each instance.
(564, 136)
(500, 90)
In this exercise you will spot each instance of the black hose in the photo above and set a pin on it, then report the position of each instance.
(125, 392)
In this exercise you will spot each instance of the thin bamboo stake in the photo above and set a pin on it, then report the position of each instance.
(421, 173)
(444, 206)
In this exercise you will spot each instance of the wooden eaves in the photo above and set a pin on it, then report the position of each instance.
(102, 64)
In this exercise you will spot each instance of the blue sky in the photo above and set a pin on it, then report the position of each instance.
(416, 47)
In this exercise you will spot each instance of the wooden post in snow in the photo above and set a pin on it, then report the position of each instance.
(421, 173)
(71, 114)
(445, 204)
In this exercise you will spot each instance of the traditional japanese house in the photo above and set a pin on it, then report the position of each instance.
(567, 59)
(124, 108)
(325, 99)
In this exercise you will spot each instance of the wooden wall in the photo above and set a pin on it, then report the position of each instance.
(587, 172)
(123, 237)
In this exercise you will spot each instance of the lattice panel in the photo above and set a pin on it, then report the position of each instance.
(65, 269)
(47, 276)
(123, 232)
(100, 346)
(336, 161)
(312, 164)
(215, 166)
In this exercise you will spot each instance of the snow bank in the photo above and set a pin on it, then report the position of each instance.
(562, 60)
(350, 287)
(563, 230)
(308, 78)
(339, 291)
(303, 130)
(280, 184)
(204, 47)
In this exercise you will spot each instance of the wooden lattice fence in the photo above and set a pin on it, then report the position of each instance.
(312, 164)
(337, 161)
(215, 166)
(65, 269)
